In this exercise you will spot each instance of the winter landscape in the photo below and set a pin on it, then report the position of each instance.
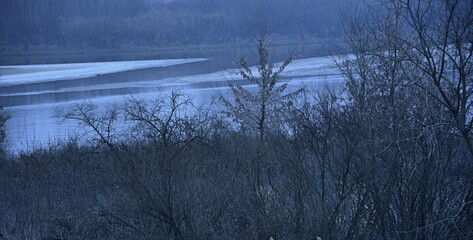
(249, 119)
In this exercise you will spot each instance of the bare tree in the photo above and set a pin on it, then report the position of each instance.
(258, 111)
(405, 84)
(255, 110)
(101, 127)
(441, 48)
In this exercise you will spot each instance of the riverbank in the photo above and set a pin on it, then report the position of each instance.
(65, 54)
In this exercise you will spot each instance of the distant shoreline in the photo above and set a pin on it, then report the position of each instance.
(64, 54)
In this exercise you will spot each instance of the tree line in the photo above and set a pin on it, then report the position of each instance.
(387, 157)
(124, 23)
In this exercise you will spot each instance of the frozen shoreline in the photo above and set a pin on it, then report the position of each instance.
(309, 67)
(27, 74)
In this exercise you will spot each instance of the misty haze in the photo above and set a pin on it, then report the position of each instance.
(223, 119)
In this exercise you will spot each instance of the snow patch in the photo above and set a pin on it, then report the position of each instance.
(26, 74)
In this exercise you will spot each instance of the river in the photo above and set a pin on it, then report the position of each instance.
(32, 93)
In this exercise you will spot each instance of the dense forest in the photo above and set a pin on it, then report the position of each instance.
(388, 156)
(125, 23)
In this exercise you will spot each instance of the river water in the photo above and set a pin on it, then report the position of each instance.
(32, 93)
